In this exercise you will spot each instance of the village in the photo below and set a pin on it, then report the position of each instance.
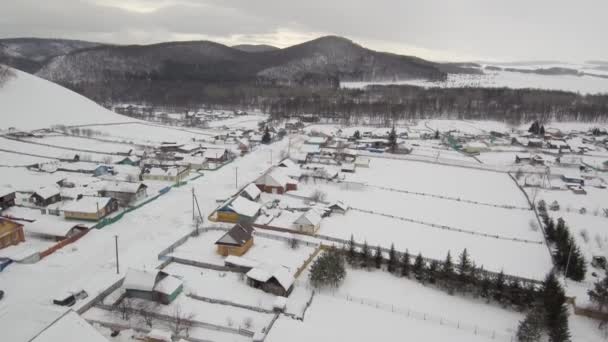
(210, 233)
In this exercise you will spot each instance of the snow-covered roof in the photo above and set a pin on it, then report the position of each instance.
(280, 273)
(348, 166)
(310, 217)
(47, 192)
(140, 280)
(70, 328)
(50, 227)
(238, 235)
(170, 171)
(168, 285)
(316, 140)
(288, 163)
(5, 191)
(87, 204)
(310, 148)
(127, 187)
(280, 303)
(160, 335)
(339, 204)
(243, 206)
(214, 153)
(362, 160)
(252, 190)
(275, 177)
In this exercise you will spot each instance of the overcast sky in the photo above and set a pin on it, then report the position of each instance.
(503, 30)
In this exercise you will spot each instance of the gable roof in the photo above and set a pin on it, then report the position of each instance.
(252, 191)
(310, 217)
(264, 273)
(70, 328)
(49, 227)
(127, 187)
(237, 236)
(275, 177)
(243, 206)
(140, 280)
(339, 205)
(6, 191)
(47, 192)
(87, 204)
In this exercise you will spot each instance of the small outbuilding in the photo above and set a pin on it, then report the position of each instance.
(11, 233)
(157, 286)
(251, 192)
(90, 208)
(124, 192)
(46, 196)
(55, 229)
(338, 207)
(309, 222)
(236, 241)
(277, 280)
(7, 198)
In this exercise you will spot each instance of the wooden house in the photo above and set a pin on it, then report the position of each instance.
(309, 222)
(11, 233)
(125, 193)
(155, 285)
(238, 209)
(236, 241)
(90, 208)
(7, 198)
(277, 280)
(276, 181)
(46, 196)
(169, 174)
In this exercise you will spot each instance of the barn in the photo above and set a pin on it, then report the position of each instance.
(11, 233)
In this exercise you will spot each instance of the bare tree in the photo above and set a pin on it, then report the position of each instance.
(180, 322)
(124, 308)
(146, 310)
(318, 196)
(107, 160)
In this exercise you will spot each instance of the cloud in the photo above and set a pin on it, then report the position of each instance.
(436, 29)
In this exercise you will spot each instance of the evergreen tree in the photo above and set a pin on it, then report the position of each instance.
(266, 137)
(328, 269)
(499, 286)
(577, 266)
(529, 294)
(392, 259)
(392, 140)
(447, 270)
(357, 135)
(555, 310)
(534, 128)
(419, 268)
(485, 287)
(550, 230)
(432, 272)
(542, 207)
(366, 255)
(530, 329)
(437, 134)
(464, 266)
(405, 264)
(515, 293)
(541, 131)
(378, 257)
(599, 294)
(351, 255)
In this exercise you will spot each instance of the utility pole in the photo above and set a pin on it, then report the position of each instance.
(116, 245)
(236, 177)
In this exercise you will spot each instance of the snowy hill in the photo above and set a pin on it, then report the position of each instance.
(29, 102)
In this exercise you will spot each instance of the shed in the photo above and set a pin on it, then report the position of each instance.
(573, 179)
(277, 280)
(11, 233)
(338, 207)
(251, 192)
(362, 161)
(130, 160)
(7, 198)
(236, 241)
(157, 286)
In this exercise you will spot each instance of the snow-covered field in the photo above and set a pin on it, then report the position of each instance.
(499, 79)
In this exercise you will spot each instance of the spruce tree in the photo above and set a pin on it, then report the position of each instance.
(447, 270)
(464, 266)
(542, 207)
(266, 137)
(405, 264)
(555, 310)
(357, 135)
(499, 286)
(419, 268)
(392, 259)
(378, 257)
(577, 267)
(530, 329)
(432, 272)
(392, 140)
(351, 255)
(599, 294)
(550, 230)
(485, 287)
(515, 293)
(365, 255)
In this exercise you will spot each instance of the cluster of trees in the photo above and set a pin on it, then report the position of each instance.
(567, 255)
(266, 138)
(328, 269)
(548, 314)
(5, 74)
(537, 128)
(461, 275)
(598, 295)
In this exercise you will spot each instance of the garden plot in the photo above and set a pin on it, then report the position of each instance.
(530, 260)
(499, 158)
(270, 251)
(442, 154)
(83, 143)
(17, 159)
(141, 133)
(243, 122)
(594, 201)
(25, 180)
(54, 152)
(465, 183)
(335, 319)
(228, 286)
(484, 219)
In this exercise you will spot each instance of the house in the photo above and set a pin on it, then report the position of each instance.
(316, 141)
(55, 229)
(194, 162)
(523, 158)
(535, 143)
(573, 179)
(276, 181)
(251, 192)
(11, 233)
(558, 144)
(124, 192)
(277, 280)
(236, 241)
(216, 155)
(155, 285)
(238, 209)
(130, 160)
(291, 169)
(7, 198)
(46, 196)
(338, 207)
(90, 208)
(69, 327)
(243, 145)
(347, 167)
(309, 222)
(169, 147)
(189, 148)
(173, 174)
